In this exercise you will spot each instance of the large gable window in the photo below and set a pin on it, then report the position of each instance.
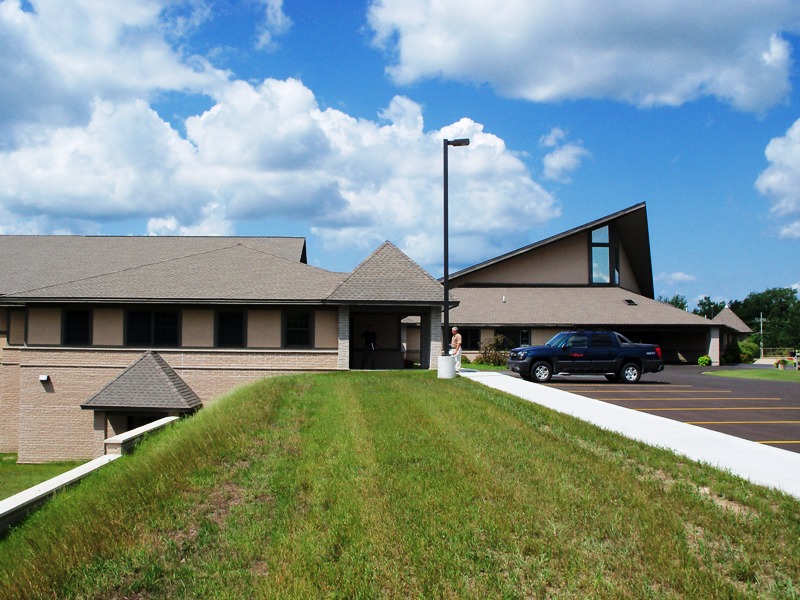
(77, 328)
(604, 257)
(152, 328)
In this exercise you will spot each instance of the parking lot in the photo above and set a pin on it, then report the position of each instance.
(760, 411)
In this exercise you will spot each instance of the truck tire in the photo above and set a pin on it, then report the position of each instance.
(541, 372)
(630, 373)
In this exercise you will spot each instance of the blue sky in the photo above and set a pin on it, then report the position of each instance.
(325, 120)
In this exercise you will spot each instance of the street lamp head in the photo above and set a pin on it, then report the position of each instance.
(458, 142)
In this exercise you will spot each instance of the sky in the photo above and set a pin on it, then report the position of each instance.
(325, 120)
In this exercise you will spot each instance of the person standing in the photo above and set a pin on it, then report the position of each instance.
(370, 346)
(455, 344)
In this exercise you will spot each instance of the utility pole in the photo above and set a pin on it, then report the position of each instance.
(761, 321)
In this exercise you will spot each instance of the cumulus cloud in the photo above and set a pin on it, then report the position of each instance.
(564, 159)
(780, 182)
(62, 55)
(660, 52)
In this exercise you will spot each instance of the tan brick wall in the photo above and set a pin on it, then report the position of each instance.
(9, 398)
(52, 426)
(44, 326)
(107, 326)
(197, 327)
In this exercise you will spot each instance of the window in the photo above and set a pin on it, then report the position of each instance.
(230, 329)
(157, 328)
(77, 329)
(602, 340)
(297, 329)
(470, 338)
(604, 257)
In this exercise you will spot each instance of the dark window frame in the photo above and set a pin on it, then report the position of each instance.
(76, 327)
(293, 331)
(611, 248)
(230, 328)
(150, 328)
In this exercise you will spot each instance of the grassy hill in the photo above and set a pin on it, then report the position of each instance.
(401, 485)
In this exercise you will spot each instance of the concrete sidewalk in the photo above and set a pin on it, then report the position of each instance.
(764, 465)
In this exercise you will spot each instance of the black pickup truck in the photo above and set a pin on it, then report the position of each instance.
(587, 352)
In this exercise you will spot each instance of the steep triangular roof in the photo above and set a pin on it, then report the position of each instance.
(388, 276)
(730, 319)
(148, 384)
(633, 232)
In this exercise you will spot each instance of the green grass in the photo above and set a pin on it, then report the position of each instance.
(763, 374)
(16, 478)
(400, 485)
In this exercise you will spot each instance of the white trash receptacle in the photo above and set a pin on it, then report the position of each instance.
(447, 367)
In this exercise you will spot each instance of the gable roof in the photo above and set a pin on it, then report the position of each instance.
(565, 307)
(731, 320)
(32, 262)
(233, 272)
(388, 276)
(148, 384)
(633, 232)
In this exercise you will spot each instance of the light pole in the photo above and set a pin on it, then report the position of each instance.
(446, 331)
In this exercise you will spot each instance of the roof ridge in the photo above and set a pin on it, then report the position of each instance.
(139, 266)
(358, 267)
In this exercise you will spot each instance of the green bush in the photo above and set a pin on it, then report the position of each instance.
(704, 361)
(748, 350)
(494, 352)
(732, 354)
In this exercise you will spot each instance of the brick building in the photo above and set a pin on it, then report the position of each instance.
(77, 312)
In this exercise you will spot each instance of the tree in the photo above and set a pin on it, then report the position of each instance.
(678, 301)
(780, 308)
(709, 309)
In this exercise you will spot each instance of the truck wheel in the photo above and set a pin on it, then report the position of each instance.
(630, 373)
(541, 372)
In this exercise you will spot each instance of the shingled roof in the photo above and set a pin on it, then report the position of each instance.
(731, 320)
(388, 276)
(565, 307)
(33, 262)
(238, 271)
(148, 384)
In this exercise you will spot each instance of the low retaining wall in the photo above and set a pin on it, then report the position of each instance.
(18, 506)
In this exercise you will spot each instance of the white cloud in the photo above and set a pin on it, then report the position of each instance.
(88, 148)
(275, 23)
(61, 57)
(564, 160)
(780, 182)
(675, 278)
(660, 52)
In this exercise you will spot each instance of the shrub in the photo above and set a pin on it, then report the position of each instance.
(732, 354)
(748, 350)
(704, 361)
(494, 352)
(465, 360)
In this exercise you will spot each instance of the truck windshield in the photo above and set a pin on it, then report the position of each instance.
(557, 340)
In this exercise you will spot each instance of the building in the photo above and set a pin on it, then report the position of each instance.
(597, 275)
(102, 334)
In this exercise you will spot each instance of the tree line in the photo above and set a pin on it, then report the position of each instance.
(779, 308)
